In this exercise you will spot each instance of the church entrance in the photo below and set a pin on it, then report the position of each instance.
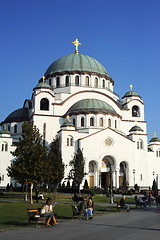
(106, 171)
(105, 179)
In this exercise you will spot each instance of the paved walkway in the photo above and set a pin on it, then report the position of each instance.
(138, 224)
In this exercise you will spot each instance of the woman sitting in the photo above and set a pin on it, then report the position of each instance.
(47, 211)
(89, 210)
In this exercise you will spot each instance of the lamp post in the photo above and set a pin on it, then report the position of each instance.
(116, 179)
(153, 175)
(134, 176)
(111, 196)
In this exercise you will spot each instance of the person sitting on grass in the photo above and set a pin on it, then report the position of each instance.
(89, 210)
(47, 211)
(123, 204)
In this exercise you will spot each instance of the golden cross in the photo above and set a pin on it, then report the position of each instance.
(135, 123)
(67, 118)
(155, 134)
(43, 78)
(76, 43)
(131, 86)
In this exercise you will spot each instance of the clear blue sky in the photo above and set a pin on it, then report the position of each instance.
(124, 35)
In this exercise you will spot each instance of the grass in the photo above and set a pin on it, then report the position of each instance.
(14, 214)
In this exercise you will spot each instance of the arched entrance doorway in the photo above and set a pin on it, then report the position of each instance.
(106, 171)
(123, 175)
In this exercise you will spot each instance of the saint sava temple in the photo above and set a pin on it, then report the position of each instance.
(76, 102)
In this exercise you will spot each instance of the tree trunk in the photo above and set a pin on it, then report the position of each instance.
(31, 195)
(55, 192)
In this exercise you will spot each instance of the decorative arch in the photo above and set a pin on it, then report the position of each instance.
(92, 122)
(140, 144)
(135, 111)
(77, 80)
(108, 165)
(123, 175)
(96, 82)
(67, 81)
(70, 141)
(92, 173)
(82, 121)
(87, 81)
(44, 104)
(58, 82)
(101, 122)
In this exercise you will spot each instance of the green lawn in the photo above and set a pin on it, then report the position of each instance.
(14, 214)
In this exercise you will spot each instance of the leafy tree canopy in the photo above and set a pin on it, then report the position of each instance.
(30, 156)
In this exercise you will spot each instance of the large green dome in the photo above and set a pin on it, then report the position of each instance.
(76, 62)
(18, 115)
(90, 105)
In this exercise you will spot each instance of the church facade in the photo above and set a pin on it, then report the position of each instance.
(75, 101)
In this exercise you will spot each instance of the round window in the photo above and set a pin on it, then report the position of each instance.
(108, 142)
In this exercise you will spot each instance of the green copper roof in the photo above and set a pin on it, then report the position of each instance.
(4, 131)
(135, 128)
(67, 124)
(76, 62)
(91, 105)
(18, 115)
(131, 94)
(155, 139)
(42, 85)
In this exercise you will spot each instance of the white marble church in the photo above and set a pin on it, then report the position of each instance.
(76, 102)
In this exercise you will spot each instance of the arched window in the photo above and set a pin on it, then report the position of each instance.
(44, 104)
(4, 147)
(87, 81)
(96, 82)
(77, 80)
(9, 128)
(101, 122)
(15, 128)
(103, 83)
(58, 82)
(50, 81)
(139, 144)
(135, 111)
(67, 81)
(91, 167)
(69, 141)
(82, 122)
(115, 123)
(91, 121)
(109, 85)
(109, 123)
(74, 121)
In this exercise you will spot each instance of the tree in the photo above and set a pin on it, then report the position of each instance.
(28, 166)
(77, 171)
(54, 166)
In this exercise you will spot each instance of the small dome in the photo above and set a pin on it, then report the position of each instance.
(135, 128)
(76, 62)
(67, 124)
(42, 85)
(131, 94)
(90, 105)
(19, 115)
(154, 139)
(4, 131)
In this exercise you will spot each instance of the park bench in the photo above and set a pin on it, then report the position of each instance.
(119, 206)
(34, 216)
(77, 213)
